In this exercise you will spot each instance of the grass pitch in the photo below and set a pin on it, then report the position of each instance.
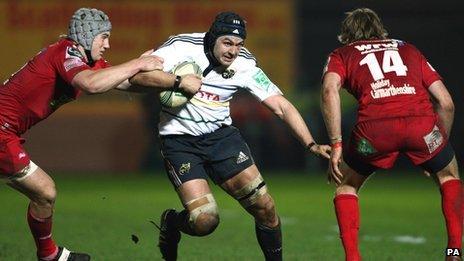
(400, 219)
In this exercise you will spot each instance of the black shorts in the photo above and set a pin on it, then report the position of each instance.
(219, 155)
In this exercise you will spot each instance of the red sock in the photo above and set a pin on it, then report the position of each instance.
(451, 204)
(41, 229)
(347, 210)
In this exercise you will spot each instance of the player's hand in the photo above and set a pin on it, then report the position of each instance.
(321, 150)
(334, 173)
(150, 62)
(190, 84)
(149, 52)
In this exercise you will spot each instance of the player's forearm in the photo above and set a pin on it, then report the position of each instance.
(331, 111)
(295, 122)
(299, 128)
(102, 80)
(127, 87)
(443, 104)
(154, 79)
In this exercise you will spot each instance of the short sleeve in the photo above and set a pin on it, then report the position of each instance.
(429, 74)
(258, 84)
(70, 63)
(335, 64)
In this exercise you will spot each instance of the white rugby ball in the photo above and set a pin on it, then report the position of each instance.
(175, 99)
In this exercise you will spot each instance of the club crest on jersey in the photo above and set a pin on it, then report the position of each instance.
(228, 73)
(73, 52)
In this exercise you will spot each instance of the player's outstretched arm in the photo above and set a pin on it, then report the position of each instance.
(285, 110)
(102, 80)
(189, 84)
(330, 105)
(443, 104)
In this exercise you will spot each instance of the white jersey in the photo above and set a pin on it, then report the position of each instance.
(209, 109)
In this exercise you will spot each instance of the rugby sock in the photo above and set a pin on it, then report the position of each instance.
(41, 229)
(347, 210)
(270, 241)
(451, 203)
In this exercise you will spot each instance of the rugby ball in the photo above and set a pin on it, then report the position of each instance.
(173, 98)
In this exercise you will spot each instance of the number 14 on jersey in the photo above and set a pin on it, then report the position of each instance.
(391, 62)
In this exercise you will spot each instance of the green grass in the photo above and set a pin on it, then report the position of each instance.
(98, 215)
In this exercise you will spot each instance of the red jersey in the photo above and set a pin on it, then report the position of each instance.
(42, 85)
(389, 78)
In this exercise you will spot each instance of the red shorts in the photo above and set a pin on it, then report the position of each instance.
(379, 142)
(13, 157)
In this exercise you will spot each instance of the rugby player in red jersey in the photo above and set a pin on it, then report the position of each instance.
(56, 75)
(394, 85)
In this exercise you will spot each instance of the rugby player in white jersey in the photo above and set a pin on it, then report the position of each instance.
(198, 140)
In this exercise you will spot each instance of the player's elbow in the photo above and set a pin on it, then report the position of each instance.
(447, 105)
(280, 106)
(328, 93)
(279, 112)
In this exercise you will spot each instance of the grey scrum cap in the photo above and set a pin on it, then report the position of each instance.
(85, 24)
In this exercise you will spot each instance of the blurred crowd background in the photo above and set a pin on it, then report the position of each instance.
(116, 132)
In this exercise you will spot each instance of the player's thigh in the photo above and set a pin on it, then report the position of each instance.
(182, 160)
(429, 148)
(250, 190)
(228, 155)
(36, 184)
(13, 156)
(21, 173)
(449, 172)
(192, 190)
(240, 180)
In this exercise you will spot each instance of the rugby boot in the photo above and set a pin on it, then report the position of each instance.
(169, 235)
(66, 255)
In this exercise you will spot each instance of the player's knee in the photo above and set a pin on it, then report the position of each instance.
(266, 213)
(46, 196)
(206, 223)
(449, 172)
(204, 215)
(24, 173)
(254, 196)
